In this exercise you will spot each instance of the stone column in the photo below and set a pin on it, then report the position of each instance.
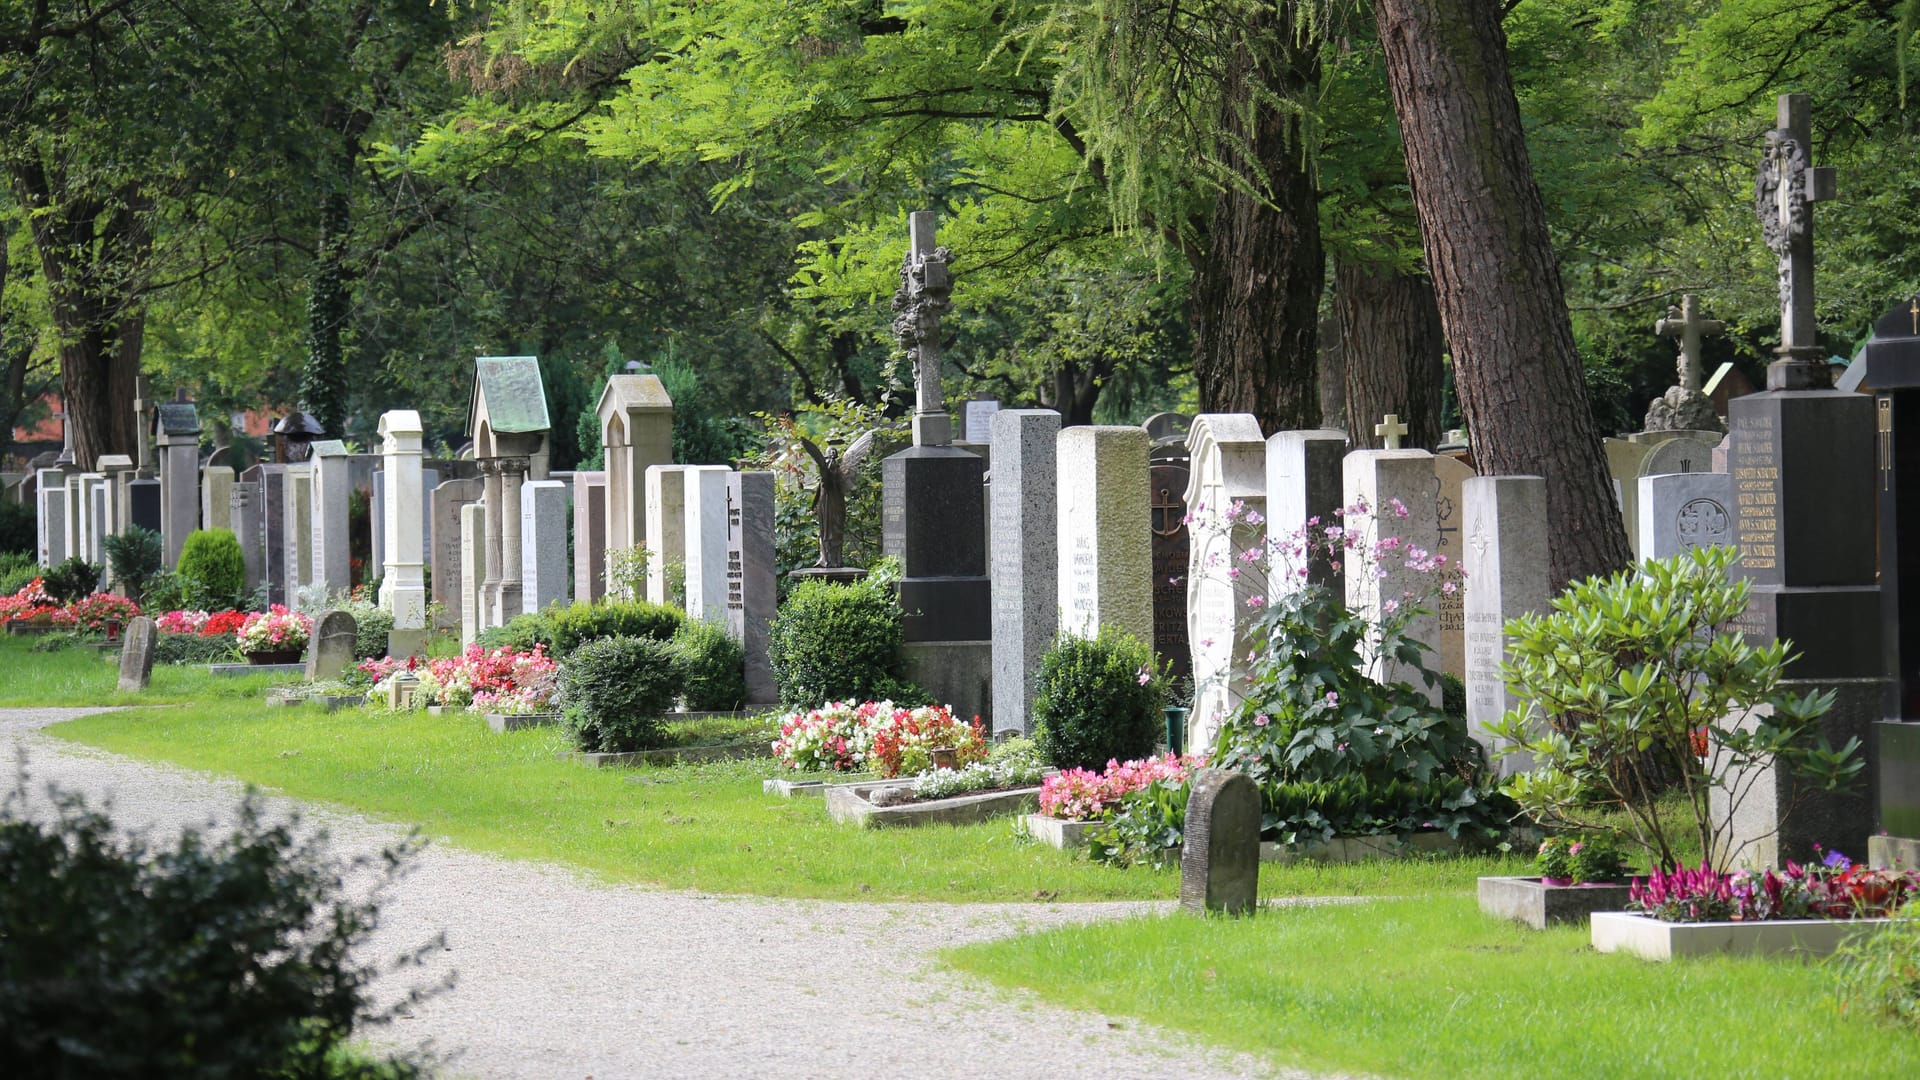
(1507, 575)
(513, 475)
(489, 592)
(403, 588)
(1379, 477)
(1025, 559)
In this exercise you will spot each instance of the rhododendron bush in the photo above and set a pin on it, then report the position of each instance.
(1084, 795)
(890, 739)
(32, 603)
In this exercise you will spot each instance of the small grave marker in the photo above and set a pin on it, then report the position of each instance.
(331, 651)
(136, 654)
(1220, 859)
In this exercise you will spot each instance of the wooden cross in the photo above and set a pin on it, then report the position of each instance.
(1391, 429)
(1686, 324)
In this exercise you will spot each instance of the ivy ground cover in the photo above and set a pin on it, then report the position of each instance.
(1432, 988)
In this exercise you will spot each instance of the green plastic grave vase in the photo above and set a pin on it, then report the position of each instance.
(1176, 729)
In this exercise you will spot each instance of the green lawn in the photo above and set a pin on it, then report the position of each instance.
(1432, 988)
(704, 827)
(82, 676)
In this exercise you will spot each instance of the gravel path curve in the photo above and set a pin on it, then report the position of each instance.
(560, 977)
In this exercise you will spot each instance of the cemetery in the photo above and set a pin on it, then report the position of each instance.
(1207, 599)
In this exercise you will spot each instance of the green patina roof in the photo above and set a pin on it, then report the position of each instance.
(329, 448)
(516, 398)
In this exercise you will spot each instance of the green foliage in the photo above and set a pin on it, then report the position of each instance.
(194, 649)
(1581, 858)
(833, 427)
(19, 529)
(1098, 699)
(1642, 680)
(247, 937)
(839, 643)
(564, 629)
(134, 555)
(710, 667)
(214, 568)
(1336, 752)
(371, 625)
(17, 570)
(1879, 972)
(72, 580)
(1148, 823)
(166, 591)
(614, 691)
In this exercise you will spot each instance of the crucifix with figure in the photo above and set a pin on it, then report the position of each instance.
(1784, 192)
(1686, 323)
(923, 297)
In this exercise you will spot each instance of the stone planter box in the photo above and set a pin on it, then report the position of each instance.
(1058, 833)
(1651, 939)
(1350, 849)
(849, 805)
(674, 755)
(1532, 902)
(329, 702)
(296, 670)
(504, 722)
(1893, 852)
(795, 789)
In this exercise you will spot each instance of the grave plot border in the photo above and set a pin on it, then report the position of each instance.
(1534, 903)
(673, 755)
(848, 804)
(1650, 939)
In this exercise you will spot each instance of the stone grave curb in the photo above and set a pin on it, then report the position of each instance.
(330, 702)
(16, 628)
(502, 723)
(672, 755)
(1058, 832)
(847, 804)
(257, 669)
(1650, 939)
(1532, 902)
(1352, 849)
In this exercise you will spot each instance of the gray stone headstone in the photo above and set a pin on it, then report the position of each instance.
(1025, 565)
(589, 535)
(709, 497)
(332, 487)
(244, 512)
(1220, 857)
(666, 520)
(1379, 477)
(1105, 539)
(471, 541)
(759, 582)
(543, 545)
(1688, 452)
(1683, 511)
(330, 651)
(1303, 484)
(448, 500)
(1505, 557)
(136, 654)
(978, 421)
(52, 496)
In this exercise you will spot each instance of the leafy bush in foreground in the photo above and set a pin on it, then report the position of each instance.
(614, 693)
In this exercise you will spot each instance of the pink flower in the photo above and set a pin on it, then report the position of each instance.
(1262, 720)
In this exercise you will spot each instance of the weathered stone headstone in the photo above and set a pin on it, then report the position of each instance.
(1105, 548)
(589, 535)
(1304, 471)
(709, 500)
(1167, 427)
(473, 556)
(754, 579)
(1684, 407)
(330, 649)
(216, 497)
(666, 490)
(271, 508)
(1449, 474)
(1507, 575)
(176, 432)
(1226, 512)
(450, 498)
(136, 654)
(297, 532)
(1688, 452)
(1220, 853)
(978, 421)
(1380, 478)
(543, 545)
(118, 469)
(332, 558)
(1025, 561)
(52, 497)
(1683, 511)
(244, 516)
(403, 586)
(636, 427)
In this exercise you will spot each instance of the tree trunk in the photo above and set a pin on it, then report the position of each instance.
(1501, 304)
(323, 382)
(1390, 334)
(1333, 372)
(1256, 293)
(1076, 390)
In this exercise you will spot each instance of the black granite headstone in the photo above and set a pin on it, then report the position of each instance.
(143, 497)
(1170, 548)
(933, 519)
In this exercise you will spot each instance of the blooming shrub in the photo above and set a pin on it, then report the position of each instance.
(904, 740)
(1084, 795)
(274, 630)
(30, 602)
(1835, 889)
(1574, 860)
(501, 680)
(836, 737)
(181, 622)
(978, 776)
(96, 611)
(223, 623)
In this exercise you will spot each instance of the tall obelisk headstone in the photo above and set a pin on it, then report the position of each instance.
(403, 584)
(1026, 609)
(1508, 574)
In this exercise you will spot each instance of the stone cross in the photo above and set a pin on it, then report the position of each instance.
(1785, 189)
(1685, 323)
(921, 300)
(66, 439)
(1391, 429)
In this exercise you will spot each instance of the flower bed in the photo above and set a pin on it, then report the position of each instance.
(1083, 795)
(275, 630)
(201, 623)
(880, 736)
(500, 682)
(33, 606)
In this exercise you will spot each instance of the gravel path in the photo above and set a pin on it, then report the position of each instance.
(560, 977)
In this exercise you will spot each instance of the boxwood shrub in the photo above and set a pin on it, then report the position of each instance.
(194, 649)
(564, 629)
(839, 643)
(614, 691)
(1090, 703)
(711, 667)
(214, 567)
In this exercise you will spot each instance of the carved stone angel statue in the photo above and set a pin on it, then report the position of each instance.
(838, 468)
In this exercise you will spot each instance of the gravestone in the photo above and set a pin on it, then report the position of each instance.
(1379, 478)
(1803, 466)
(1226, 565)
(136, 654)
(402, 488)
(1683, 511)
(330, 652)
(666, 490)
(1167, 477)
(1508, 575)
(636, 427)
(472, 536)
(507, 418)
(143, 503)
(52, 518)
(754, 581)
(589, 535)
(332, 557)
(270, 505)
(377, 521)
(544, 577)
(449, 499)
(244, 514)
(1686, 452)
(1167, 427)
(1684, 407)
(1025, 564)
(1104, 545)
(1449, 474)
(118, 469)
(1304, 471)
(1220, 853)
(977, 421)
(87, 505)
(297, 532)
(708, 504)
(1624, 460)
(216, 497)
(176, 435)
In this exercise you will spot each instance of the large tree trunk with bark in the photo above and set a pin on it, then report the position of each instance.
(1393, 346)
(1501, 303)
(1256, 292)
